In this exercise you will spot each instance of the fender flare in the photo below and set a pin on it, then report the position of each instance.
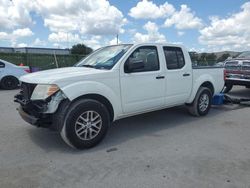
(76, 90)
(206, 78)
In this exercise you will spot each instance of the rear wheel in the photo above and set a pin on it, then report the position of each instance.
(9, 82)
(202, 102)
(86, 124)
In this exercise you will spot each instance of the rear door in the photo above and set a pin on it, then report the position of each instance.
(144, 88)
(178, 75)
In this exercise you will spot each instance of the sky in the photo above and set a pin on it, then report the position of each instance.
(211, 26)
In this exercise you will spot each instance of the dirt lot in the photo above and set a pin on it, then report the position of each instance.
(166, 148)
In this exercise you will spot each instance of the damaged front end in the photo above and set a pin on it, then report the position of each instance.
(39, 104)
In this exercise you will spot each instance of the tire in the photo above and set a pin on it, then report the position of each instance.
(227, 88)
(86, 124)
(202, 102)
(9, 82)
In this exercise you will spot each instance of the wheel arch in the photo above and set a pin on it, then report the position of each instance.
(97, 91)
(201, 82)
(100, 99)
(208, 85)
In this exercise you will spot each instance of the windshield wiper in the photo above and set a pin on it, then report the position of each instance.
(89, 66)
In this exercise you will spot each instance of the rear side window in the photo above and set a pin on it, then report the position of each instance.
(2, 65)
(174, 57)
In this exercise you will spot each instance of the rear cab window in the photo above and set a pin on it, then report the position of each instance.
(174, 57)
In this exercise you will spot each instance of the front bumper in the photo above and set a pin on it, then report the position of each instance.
(27, 117)
(33, 111)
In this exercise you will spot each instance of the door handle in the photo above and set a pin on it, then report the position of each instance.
(186, 74)
(160, 77)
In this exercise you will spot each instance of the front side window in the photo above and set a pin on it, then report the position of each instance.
(174, 57)
(2, 65)
(104, 58)
(145, 55)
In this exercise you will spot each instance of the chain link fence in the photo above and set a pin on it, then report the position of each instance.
(41, 61)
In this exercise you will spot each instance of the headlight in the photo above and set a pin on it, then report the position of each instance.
(44, 91)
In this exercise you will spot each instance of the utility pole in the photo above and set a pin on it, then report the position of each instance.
(117, 39)
(68, 40)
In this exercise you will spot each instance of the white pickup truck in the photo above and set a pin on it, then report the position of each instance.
(115, 82)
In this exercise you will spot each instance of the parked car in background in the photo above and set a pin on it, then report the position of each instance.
(10, 74)
(237, 71)
(115, 82)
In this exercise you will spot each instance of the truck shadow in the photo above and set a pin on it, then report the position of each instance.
(241, 92)
(149, 124)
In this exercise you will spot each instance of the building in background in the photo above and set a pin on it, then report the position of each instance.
(31, 50)
(6, 50)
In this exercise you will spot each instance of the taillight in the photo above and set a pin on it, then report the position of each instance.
(27, 70)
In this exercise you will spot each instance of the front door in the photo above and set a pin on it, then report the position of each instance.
(142, 88)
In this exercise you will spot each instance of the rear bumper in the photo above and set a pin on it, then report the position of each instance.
(241, 82)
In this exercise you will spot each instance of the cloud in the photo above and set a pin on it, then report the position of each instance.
(94, 42)
(16, 34)
(184, 19)
(232, 32)
(15, 14)
(180, 33)
(64, 37)
(89, 17)
(26, 32)
(22, 45)
(147, 9)
(39, 42)
(152, 35)
(114, 41)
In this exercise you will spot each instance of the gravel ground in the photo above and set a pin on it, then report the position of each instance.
(167, 148)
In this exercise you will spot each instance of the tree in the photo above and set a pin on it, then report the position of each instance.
(223, 57)
(211, 59)
(81, 49)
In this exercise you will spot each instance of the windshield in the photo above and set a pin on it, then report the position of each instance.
(104, 58)
(244, 55)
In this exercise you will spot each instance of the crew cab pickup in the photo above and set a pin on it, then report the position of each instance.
(115, 82)
(237, 71)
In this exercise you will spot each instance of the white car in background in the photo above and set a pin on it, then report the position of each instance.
(10, 74)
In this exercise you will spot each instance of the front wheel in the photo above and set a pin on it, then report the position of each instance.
(202, 102)
(86, 124)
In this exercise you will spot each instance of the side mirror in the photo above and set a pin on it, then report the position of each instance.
(133, 65)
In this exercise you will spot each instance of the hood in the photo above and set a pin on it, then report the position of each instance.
(56, 75)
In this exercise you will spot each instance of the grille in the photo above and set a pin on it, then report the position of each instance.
(27, 90)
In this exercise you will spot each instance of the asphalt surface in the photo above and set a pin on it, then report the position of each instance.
(167, 148)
